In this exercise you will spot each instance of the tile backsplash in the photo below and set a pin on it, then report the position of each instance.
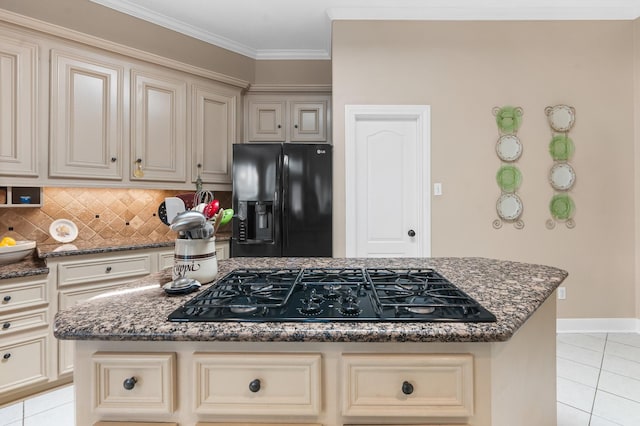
(99, 213)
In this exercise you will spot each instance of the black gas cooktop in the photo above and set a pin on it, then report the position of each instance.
(328, 294)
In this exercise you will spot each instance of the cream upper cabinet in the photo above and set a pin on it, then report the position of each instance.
(18, 102)
(158, 126)
(86, 116)
(214, 121)
(266, 120)
(308, 121)
(287, 118)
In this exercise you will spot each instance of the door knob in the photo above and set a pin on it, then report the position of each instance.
(411, 233)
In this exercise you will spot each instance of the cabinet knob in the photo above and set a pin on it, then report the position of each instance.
(7, 355)
(108, 269)
(411, 233)
(279, 126)
(114, 159)
(6, 325)
(407, 388)
(254, 386)
(6, 298)
(129, 383)
(295, 125)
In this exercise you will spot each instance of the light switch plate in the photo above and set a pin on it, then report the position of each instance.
(437, 188)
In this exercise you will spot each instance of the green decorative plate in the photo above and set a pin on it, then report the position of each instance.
(509, 178)
(562, 207)
(561, 148)
(508, 119)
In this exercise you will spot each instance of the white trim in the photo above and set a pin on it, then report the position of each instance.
(353, 113)
(598, 325)
(281, 88)
(66, 33)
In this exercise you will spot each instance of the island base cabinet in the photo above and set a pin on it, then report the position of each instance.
(435, 385)
(134, 424)
(257, 384)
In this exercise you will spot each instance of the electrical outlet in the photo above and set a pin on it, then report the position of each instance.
(562, 293)
(437, 189)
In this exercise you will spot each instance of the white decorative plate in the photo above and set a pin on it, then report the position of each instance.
(63, 230)
(509, 207)
(562, 176)
(561, 117)
(509, 148)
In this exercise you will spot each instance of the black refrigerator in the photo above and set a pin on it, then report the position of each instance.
(282, 199)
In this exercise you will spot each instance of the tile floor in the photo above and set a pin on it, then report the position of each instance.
(598, 385)
(598, 379)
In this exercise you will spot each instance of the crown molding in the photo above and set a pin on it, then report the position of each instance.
(73, 35)
(284, 88)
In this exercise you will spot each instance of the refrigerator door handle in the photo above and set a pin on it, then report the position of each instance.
(285, 195)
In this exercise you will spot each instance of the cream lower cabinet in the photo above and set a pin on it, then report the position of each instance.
(25, 344)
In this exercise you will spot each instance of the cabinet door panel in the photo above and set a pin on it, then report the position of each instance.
(18, 100)
(23, 362)
(214, 131)
(266, 121)
(159, 121)
(86, 117)
(308, 121)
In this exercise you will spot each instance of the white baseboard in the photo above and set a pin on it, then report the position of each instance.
(598, 325)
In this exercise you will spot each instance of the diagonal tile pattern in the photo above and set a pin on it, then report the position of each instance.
(99, 213)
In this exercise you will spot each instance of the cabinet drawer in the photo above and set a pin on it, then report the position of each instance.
(71, 273)
(22, 295)
(257, 424)
(257, 384)
(22, 321)
(438, 385)
(133, 383)
(23, 362)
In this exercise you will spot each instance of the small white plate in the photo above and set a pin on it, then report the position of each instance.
(63, 230)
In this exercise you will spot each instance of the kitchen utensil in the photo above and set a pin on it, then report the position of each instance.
(181, 285)
(162, 213)
(227, 215)
(211, 209)
(200, 207)
(218, 221)
(203, 197)
(188, 199)
(174, 206)
(188, 220)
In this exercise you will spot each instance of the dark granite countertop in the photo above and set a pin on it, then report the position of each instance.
(512, 291)
(31, 266)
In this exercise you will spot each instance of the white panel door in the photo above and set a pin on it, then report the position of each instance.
(387, 186)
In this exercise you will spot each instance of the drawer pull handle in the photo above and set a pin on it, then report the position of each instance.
(254, 386)
(6, 298)
(6, 325)
(407, 388)
(7, 355)
(130, 383)
(108, 269)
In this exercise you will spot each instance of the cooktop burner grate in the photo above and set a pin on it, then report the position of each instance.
(333, 294)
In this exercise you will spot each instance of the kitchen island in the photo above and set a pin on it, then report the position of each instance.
(133, 365)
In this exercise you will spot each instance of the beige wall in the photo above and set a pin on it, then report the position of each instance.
(636, 76)
(293, 72)
(463, 70)
(91, 18)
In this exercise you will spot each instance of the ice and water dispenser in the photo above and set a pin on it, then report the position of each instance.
(255, 221)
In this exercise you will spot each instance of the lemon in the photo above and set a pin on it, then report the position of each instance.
(7, 242)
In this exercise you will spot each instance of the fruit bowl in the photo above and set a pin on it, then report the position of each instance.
(12, 254)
